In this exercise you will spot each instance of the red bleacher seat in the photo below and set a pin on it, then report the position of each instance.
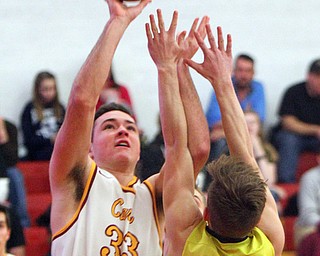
(288, 225)
(37, 204)
(36, 176)
(307, 160)
(291, 189)
(37, 241)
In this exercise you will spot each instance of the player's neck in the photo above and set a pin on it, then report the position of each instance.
(123, 174)
(124, 178)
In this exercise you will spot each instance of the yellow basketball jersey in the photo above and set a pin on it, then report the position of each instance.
(201, 243)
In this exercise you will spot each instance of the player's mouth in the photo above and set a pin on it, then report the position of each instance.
(123, 143)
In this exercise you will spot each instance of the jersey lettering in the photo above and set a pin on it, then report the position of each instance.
(124, 214)
(129, 239)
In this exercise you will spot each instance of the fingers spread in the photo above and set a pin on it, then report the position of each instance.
(202, 26)
(148, 32)
(229, 45)
(194, 26)
(153, 26)
(201, 42)
(181, 37)
(174, 22)
(160, 21)
(220, 39)
(211, 37)
(192, 64)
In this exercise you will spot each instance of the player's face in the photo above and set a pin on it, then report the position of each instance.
(115, 139)
(243, 72)
(4, 230)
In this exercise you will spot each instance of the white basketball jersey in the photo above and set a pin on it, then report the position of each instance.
(111, 220)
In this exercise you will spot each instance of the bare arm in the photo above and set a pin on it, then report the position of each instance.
(267, 168)
(73, 140)
(178, 182)
(198, 133)
(293, 124)
(217, 68)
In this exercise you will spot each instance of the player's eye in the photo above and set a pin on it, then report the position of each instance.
(131, 128)
(109, 126)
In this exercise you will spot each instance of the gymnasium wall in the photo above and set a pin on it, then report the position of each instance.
(283, 37)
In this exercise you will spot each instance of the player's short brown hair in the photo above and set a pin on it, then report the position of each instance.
(236, 197)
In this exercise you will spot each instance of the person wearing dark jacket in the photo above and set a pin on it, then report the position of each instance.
(41, 118)
(8, 161)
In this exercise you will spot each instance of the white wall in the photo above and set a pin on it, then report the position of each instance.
(283, 36)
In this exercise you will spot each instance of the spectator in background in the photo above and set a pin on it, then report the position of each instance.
(151, 156)
(251, 96)
(114, 92)
(308, 203)
(299, 127)
(15, 242)
(42, 118)
(310, 245)
(265, 155)
(4, 230)
(8, 161)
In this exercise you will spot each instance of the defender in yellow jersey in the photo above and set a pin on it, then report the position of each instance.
(241, 215)
(202, 242)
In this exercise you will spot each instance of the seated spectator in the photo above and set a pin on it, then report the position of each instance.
(251, 97)
(310, 245)
(4, 187)
(299, 127)
(308, 203)
(42, 118)
(16, 243)
(114, 92)
(151, 156)
(250, 93)
(8, 161)
(11, 232)
(4, 230)
(265, 154)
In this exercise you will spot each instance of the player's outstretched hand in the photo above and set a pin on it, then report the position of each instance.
(189, 44)
(217, 64)
(162, 44)
(118, 9)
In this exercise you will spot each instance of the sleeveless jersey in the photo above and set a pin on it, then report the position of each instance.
(201, 243)
(111, 220)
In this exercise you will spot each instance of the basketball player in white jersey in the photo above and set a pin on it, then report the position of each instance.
(98, 206)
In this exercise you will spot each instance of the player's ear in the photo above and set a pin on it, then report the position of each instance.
(91, 152)
(206, 214)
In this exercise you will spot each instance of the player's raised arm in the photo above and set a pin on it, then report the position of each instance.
(70, 164)
(178, 182)
(217, 67)
(198, 133)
